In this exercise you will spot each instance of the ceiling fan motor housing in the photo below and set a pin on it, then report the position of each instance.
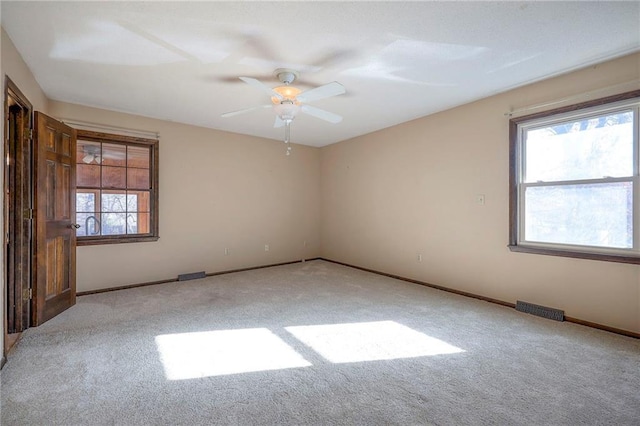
(286, 75)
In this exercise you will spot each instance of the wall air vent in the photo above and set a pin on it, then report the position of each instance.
(541, 311)
(191, 276)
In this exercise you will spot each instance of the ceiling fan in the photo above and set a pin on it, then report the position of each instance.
(95, 154)
(287, 101)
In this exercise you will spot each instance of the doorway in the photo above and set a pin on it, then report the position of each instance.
(18, 213)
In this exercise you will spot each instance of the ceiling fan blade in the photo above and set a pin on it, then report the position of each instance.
(260, 48)
(157, 40)
(242, 111)
(114, 156)
(279, 122)
(332, 59)
(261, 86)
(325, 91)
(321, 114)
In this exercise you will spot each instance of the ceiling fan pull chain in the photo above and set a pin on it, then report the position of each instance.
(287, 135)
(287, 131)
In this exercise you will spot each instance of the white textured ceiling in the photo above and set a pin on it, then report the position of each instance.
(398, 60)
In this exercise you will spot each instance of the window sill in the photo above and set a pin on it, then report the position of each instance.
(84, 241)
(620, 258)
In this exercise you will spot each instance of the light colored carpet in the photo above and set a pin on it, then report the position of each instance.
(314, 343)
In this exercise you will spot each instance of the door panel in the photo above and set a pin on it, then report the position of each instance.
(63, 209)
(50, 189)
(55, 243)
(58, 249)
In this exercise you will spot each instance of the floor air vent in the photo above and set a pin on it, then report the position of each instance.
(191, 276)
(541, 311)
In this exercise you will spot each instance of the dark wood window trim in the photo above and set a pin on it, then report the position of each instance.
(153, 234)
(513, 185)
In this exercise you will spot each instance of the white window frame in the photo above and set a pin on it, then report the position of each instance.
(518, 130)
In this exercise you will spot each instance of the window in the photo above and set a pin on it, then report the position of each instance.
(575, 188)
(116, 188)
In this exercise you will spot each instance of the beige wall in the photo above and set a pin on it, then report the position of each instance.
(411, 189)
(13, 66)
(217, 190)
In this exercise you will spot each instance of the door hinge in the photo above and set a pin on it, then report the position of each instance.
(28, 213)
(27, 294)
(30, 133)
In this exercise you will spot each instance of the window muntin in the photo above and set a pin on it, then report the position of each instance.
(576, 190)
(116, 194)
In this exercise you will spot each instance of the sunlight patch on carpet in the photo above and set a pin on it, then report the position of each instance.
(223, 352)
(369, 341)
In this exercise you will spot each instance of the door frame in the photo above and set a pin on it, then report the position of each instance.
(19, 291)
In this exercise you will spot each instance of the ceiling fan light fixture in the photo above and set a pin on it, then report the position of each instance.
(90, 158)
(288, 93)
(287, 111)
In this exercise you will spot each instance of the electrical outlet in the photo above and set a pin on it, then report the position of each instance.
(266, 247)
(304, 243)
(480, 199)
(227, 251)
(419, 258)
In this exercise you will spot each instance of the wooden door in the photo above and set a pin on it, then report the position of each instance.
(55, 235)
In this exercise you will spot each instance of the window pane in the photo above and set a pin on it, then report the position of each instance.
(114, 177)
(88, 175)
(89, 224)
(88, 152)
(132, 201)
(138, 201)
(138, 157)
(590, 148)
(138, 223)
(114, 202)
(138, 178)
(114, 155)
(85, 202)
(114, 223)
(598, 215)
